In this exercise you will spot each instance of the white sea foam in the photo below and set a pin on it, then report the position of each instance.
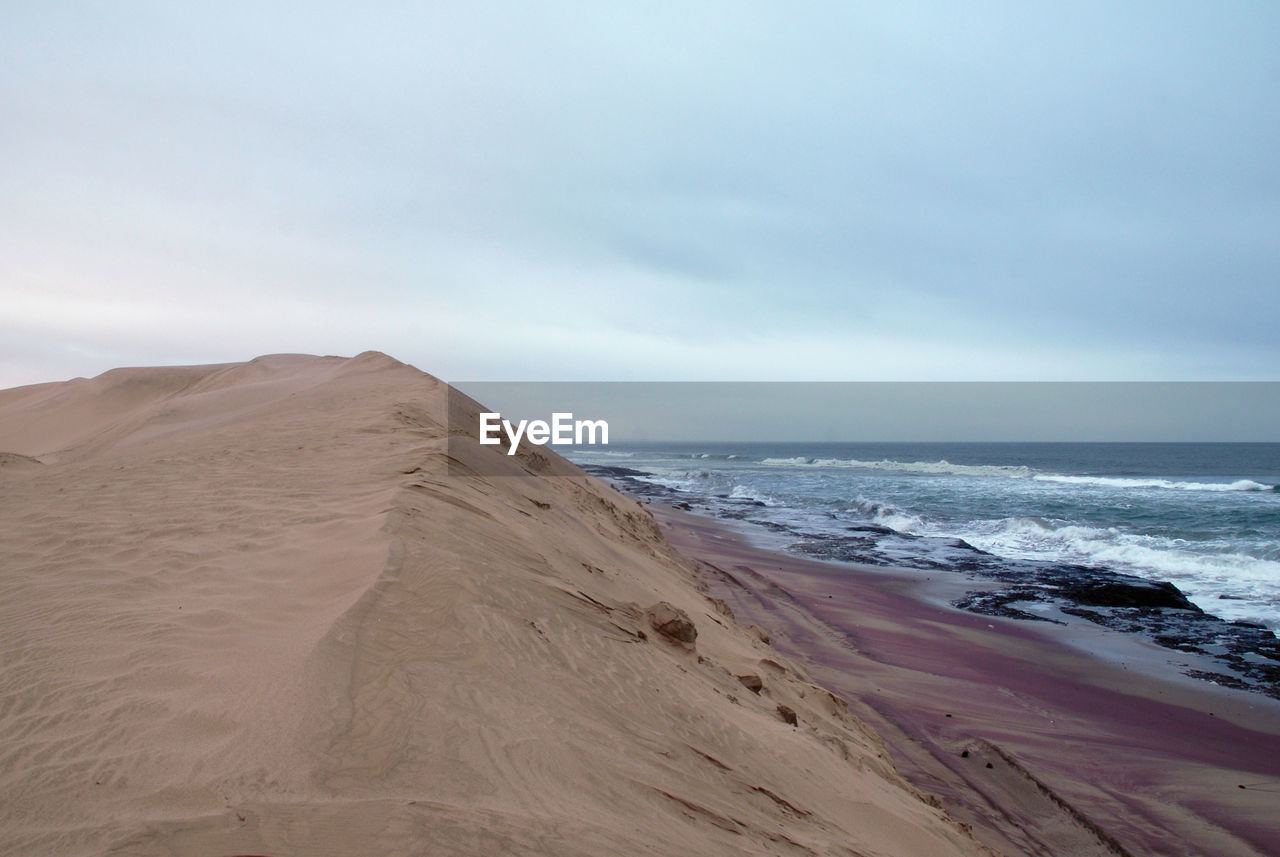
(1227, 583)
(901, 521)
(1122, 482)
(1212, 537)
(890, 516)
(1011, 471)
(1015, 472)
(741, 492)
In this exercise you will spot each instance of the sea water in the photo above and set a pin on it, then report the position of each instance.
(1203, 516)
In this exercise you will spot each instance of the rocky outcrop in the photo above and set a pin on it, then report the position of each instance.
(672, 623)
(1127, 593)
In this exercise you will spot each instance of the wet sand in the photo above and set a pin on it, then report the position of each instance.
(1121, 753)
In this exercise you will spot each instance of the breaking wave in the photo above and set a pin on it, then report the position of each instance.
(1016, 472)
(1121, 482)
(1012, 471)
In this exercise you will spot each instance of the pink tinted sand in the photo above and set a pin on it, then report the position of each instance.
(1143, 759)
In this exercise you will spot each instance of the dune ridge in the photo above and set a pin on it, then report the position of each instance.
(261, 608)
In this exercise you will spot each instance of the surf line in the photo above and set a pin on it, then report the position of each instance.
(561, 431)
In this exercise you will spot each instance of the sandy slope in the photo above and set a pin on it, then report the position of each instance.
(247, 609)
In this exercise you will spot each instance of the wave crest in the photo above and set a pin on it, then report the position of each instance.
(943, 466)
(1017, 471)
(1124, 482)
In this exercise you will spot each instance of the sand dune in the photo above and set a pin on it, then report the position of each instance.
(252, 609)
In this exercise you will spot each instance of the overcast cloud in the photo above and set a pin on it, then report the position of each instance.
(711, 191)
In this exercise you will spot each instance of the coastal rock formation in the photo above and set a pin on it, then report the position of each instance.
(1128, 593)
(672, 623)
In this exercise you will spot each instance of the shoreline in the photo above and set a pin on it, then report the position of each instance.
(974, 706)
(1194, 634)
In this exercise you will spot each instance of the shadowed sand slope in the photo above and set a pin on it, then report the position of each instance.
(250, 609)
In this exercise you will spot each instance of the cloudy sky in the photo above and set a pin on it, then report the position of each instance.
(710, 191)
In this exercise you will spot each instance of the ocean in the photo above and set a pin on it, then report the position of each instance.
(1203, 516)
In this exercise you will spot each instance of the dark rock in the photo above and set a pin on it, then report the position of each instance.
(672, 623)
(962, 545)
(1135, 593)
(874, 529)
(998, 603)
(752, 682)
(787, 715)
(1171, 641)
(605, 470)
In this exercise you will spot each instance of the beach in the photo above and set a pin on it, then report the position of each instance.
(1046, 740)
(292, 606)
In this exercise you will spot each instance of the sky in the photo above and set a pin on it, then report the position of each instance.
(652, 191)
